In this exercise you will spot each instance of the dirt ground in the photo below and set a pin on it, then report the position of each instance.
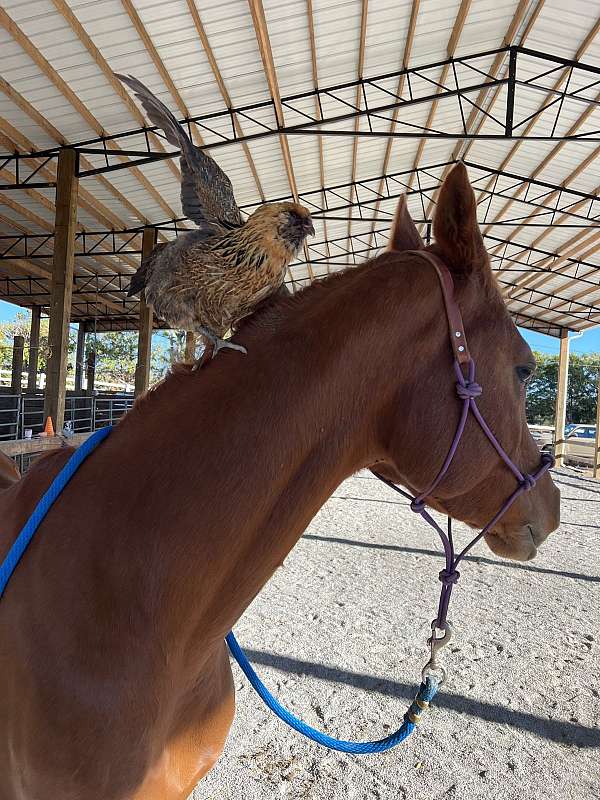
(339, 636)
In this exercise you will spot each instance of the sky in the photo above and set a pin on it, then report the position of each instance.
(588, 343)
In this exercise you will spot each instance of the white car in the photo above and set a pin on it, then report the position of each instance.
(579, 442)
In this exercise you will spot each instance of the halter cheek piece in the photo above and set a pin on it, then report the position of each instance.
(468, 391)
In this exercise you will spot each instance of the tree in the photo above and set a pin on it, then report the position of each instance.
(116, 351)
(582, 389)
(20, 326)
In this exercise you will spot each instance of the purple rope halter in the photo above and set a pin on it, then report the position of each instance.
(467, 390)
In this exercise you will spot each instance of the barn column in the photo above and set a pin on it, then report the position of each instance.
(560, 416)
(62, 286)
(190, 346)
(90, 370)
(17, 364)
(34, 348)
(79, 356)
(142, 371)
(597, 442)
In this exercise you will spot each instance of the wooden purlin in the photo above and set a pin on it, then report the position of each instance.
(543, 164)
(62, 7)
(400, 88)
(550, 261)
(48, 70)
(531, 124)
(457, 28)
(493, 71)
(553, 195)
(358, 99)
(224, 91)
(584, 293)
(141, 31)
(450, 50)
(264, 43)
(315, 78)
(25, 106)
(81, 268)
(50, 206)
(28, 268)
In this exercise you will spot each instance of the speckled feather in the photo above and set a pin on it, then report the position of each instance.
(199, 281)
(212, 277)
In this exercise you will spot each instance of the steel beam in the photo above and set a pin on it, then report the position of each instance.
(332, 111)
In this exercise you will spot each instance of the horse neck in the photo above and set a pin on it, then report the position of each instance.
(285, 426)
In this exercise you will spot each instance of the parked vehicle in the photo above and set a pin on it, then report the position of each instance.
(542, 435)
(579, 442)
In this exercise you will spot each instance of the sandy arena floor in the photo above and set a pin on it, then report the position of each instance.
(339, 636)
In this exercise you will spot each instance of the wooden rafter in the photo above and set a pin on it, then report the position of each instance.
(264, 43)
(358, 99)
(457, 29)
(52, 75)
(581, 50)
(224, 91)
(62, 7)
(410, 35)
(315, 78)
(27, 108)
(141, 31)
(44, 225)
(476, 118)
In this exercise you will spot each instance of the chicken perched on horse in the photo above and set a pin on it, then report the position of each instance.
(208, 279)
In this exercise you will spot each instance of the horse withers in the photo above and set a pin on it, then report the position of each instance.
(115, 681)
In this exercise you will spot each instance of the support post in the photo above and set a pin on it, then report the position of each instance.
(510, 94)
(597, 442)
(190, 346)
(90, 370)
(17, 364)
(62, 286)
(34, 349)
(142, 370)
(79, 356)
(560, 416)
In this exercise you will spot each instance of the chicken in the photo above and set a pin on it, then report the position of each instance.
(208, 279)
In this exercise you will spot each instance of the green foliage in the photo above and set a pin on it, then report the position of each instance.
(582, 390)
(116, 352)
(20, 327)
(116, 356)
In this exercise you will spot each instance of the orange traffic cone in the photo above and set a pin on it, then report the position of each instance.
(49, 427)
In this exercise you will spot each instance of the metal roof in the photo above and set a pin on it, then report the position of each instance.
(343, 104)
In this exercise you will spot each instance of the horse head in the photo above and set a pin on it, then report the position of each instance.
(478, 482)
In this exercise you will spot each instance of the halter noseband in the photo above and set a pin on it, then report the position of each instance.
(467, 390)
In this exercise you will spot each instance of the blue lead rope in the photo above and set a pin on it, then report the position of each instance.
(58, 484)
(426, 692)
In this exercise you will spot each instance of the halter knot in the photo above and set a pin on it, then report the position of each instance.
(449, 577)
(528, 482)
(470, 390)
(418, 506)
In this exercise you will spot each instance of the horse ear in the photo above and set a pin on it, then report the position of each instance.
(455, 228)
(404, 234)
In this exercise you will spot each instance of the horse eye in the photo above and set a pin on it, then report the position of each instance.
(524, 373)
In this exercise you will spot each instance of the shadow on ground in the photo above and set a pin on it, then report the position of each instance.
(564, 732)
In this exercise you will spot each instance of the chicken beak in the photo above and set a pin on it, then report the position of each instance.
(309, 227)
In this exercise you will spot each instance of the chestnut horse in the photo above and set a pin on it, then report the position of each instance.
(115, 681)
(9, 473)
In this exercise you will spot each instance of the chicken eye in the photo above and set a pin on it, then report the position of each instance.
(525, 373)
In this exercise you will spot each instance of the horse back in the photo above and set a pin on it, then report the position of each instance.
(20, 498)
